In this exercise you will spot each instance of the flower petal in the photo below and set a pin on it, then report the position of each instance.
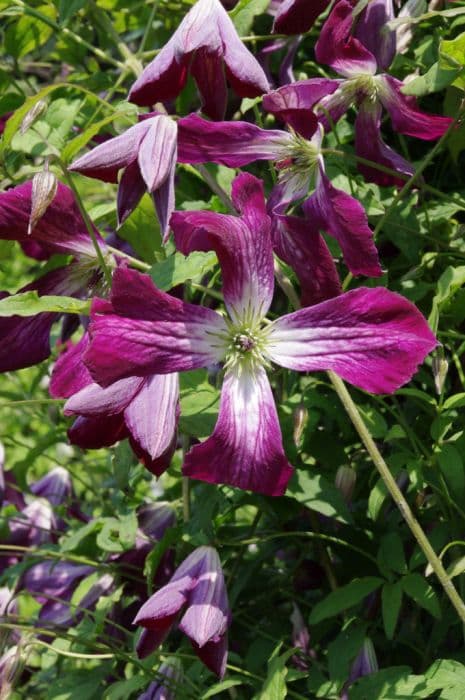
(157, 152)
(339, 48)
(214, 655)
(164, 200)
(104, 161)
(373, 338)
(371, 30)
(343, 217)
(245, 449)
(405, 115)
(243, 246)
(294, 103)
(297, 16)
(207, 71)
(130, 191)
(94, 400)
(230, 143)
(98, 431)
(70, 374)
(370, 145)
(163, 78)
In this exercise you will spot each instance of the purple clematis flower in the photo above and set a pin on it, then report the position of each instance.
(297, 16)
(371, 92)
(55, 486)
(197, 586)
(144, 409)
(205, 44)
(26, 341)
(146, 153)
(373, 338)
(170, 678)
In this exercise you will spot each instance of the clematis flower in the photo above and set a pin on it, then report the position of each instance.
(362, 86)
(207, 46)
(55, 486)
(365, 663)
(26, 341)
(146, 153)
(373, 338)
(170, 678)
(144, 409)
(300, 164)
(196, 587)
(297, 16)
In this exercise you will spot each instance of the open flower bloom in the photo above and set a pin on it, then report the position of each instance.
(371, 337)
(300, 164)
(26, 341)
(207, 46)
(144, 409)
(297, 16)
(198, 588)
(362, 86)
(146, 153)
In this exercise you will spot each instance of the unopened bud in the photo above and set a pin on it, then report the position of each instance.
(300, 417)
(44, 189)
(32, 116)
(345, 481)
(440, 367)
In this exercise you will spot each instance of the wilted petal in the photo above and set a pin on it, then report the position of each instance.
(104, 161)
(243, 246)
(297, 16)
(150, 332)
(370, 145)
(245, 449)
(405, 115)
(294, 103)
(371, 30)
(343, 217)
(233, 144)
(339, 48)
(373, 338)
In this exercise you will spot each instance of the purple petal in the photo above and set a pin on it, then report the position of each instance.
(97, 432)
(369, 145)
(243, 246)
(130, 191)
(230, 143)
(405, 115)
(163, 78)
(157, 152)
(53, 578)
(104, 161)
(94, 400)
(338, 48)
(214, 655)
(343, 217)
(69, 373)
(151, 416)
(164, 200)
(371, 30)
(373, 338)
(60, 229)
(165, 603)
(304, 249)
(150, 332)
(294, 103)
(297, 16)
(55, 486)
(152, 637)
(207, 71)
(245, 449)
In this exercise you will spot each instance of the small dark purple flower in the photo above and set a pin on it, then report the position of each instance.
(198, 590)
(55, 486)
(207, 46)
(364, 664)
(170, 677)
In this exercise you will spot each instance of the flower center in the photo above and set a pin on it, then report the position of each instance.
(246, 346)
(362, 86)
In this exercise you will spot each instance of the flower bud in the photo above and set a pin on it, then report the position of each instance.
(345, 481)
(440, 367)
(34, 113)
(44, 189)
(300, 418)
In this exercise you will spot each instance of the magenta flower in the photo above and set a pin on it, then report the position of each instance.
(371, 337)
(197, 587)
(362, 86)
(144, 409)
(146, 153)
(207, 46)
(26, 341)
(297, 16)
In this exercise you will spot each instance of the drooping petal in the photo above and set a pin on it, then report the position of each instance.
(166, 602)
(370, 145)
(405, 115)
(234, 143)
(60, 229)
(245, 449)
(94, 400)
(243, 246)
(151, 416)
(163, 78)
(98, 431)
(214, 654)
(164, 200)
(302, 247)
(343, 217)
(208, 73)
(157, 153)
(104, 161)
(371, 30)
(339, 48)
(130, 191)
(297, 16)
(293, 104)
(70, 374)
(373, 338)
(150, 332)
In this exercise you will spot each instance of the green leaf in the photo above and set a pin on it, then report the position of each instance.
(452, 56)
(315, 492)
(122, 459)
(374, 421)
(118, 534)
(245, 12)
(436, 78)
(451, 465)
(76, 537)
(177, 269)
(393, 683)
(417, 588)
(29, 33)
(274, 687)
(456, 568)
(152, 560)
(30, 304)
(376, 499)
(391, 556)
(142, 231)
(451, 280)
(344, 649)
(77, 685)
(344, 597)
(199, 404)
(222, 685)
(76, 144)
(455, 401)
(391, 601)
(121, 690)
